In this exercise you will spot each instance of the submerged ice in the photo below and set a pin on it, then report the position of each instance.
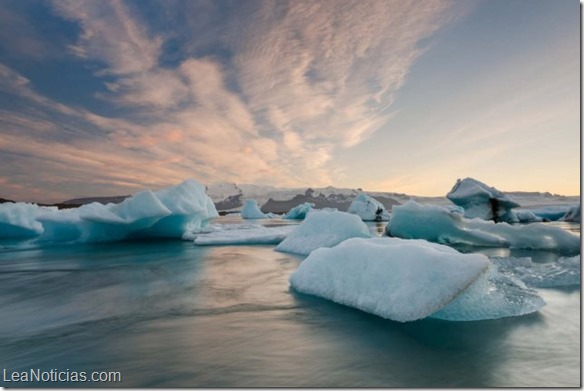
(406, 280)
(437, 224)
(563, 272)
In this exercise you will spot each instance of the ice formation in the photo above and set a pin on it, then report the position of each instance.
(406, 280)
(368, 208)
(563, 272)
(436, 224)
(251, 210)
(19, 220)
(244, 235)
(166, 213)
(323, 229)
(550, 212)
(527, 216)
(493, 295)
(573, 214)
(299, 212)
(482, 201)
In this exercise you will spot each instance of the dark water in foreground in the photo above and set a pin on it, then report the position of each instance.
(173, 314)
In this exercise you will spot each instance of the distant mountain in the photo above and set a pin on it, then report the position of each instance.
(3, 200)
(101, 200)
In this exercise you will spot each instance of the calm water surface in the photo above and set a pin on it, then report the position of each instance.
(173, 314)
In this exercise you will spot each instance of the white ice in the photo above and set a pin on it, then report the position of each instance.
(573, 214)
(244, 235)
(251, 210)
(18, 220)
(475, 197)
(299, 212)
(393, 278)
(368, 208)
(323, 228)
(437, 224)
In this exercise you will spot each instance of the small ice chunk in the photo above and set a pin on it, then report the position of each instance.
(402, 280)
(255, 235)
(251, 210)
(299, 212)
(323, 229)
(573, 214)
(368, 208)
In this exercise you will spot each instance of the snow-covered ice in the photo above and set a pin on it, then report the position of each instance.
(251, 210)
(323, 229)
(244, 235)
(437, 224)
(406, 280)
(563, 272)
(299, 212)
(368, 208)
(19, 220)
(478, 200)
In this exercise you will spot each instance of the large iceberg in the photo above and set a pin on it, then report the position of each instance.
(406, 280)
(323, 229)
(482, 201)
(436, 224)
(167, 213)
(251, 210)
(19, 220)
(368, 208)
(299, 212)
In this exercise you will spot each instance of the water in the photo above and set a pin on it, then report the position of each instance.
(170, 314)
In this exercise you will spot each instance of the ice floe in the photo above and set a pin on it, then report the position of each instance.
(437, 224)
(243, 235)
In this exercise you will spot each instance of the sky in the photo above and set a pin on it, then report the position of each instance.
(105, 97)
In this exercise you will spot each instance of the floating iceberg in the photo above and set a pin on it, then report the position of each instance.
(166, 213)
(245, 235)
(404, 280)
(563, 272)
(551, 212)
(527, 216)
(482, 201)
(573, 214)
(299, 212)
(436, 224)
(19, 220)
(323, 229)
(368, 208)
(251, 210)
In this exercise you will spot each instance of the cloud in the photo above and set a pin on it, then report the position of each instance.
(301, 82)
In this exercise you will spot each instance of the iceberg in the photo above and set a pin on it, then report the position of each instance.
(551, 212)
(167, 213)
(527, 216)
(19, 220)
(436, 224)
(368, 208)
(564, 272)
(251, 210)
(482, 201)
(323, 229)
(299, 212)
(244, 235)
(573, 214)
(405, 280)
